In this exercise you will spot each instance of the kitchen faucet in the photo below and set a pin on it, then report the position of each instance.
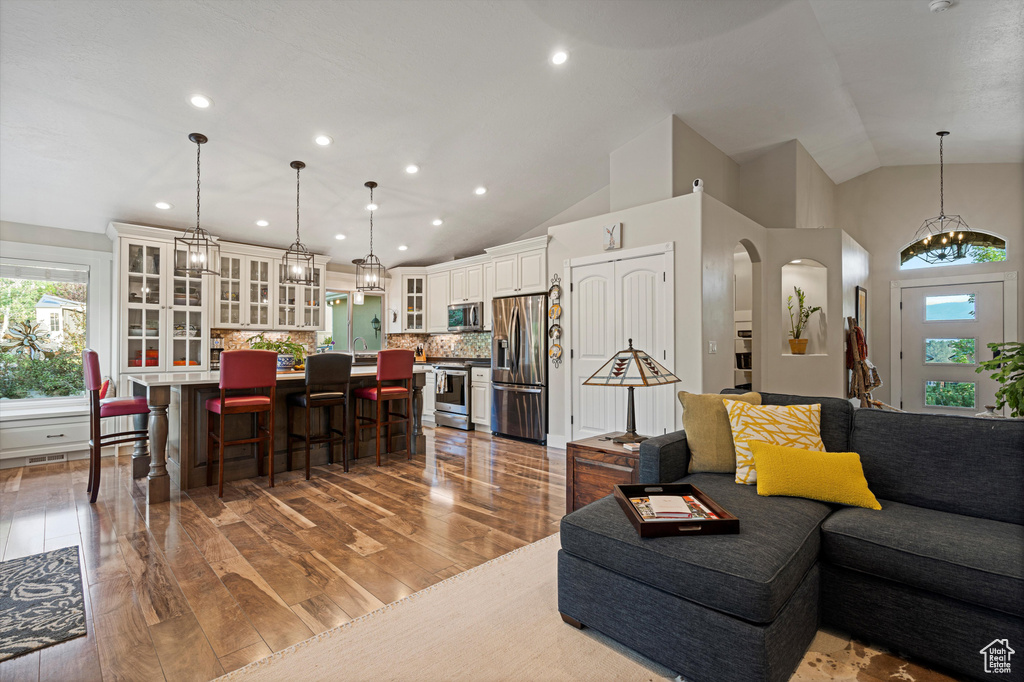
(359, 338)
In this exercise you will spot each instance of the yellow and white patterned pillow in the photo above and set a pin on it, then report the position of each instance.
(795, 426)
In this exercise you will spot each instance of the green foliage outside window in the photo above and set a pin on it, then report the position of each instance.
(949, 393)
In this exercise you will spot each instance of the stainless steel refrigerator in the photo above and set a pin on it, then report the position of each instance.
(519, 367)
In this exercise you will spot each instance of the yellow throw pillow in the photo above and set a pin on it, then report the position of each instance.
(796, 426)
(825, 476)
(708, 434)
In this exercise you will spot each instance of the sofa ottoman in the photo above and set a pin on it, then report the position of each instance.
(715, 607)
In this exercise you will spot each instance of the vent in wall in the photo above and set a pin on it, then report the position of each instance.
(41, 459)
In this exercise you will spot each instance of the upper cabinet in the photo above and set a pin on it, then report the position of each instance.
(488, 294)
(467, 283)
(520, 267)
(438, 298)
(165, 313)
(407, 301)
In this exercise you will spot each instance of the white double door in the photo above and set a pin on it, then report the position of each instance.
(610, 304)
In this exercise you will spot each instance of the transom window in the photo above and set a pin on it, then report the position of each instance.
(956, 248)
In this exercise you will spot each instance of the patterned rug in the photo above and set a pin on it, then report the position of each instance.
(41, 602)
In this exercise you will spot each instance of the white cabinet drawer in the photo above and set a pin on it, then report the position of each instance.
(21, 438)
(481, 374)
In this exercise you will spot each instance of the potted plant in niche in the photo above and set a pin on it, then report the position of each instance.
(289, 353)
(798, 321)
(1007, 368)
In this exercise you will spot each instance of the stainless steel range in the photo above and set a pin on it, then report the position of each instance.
(451, 404)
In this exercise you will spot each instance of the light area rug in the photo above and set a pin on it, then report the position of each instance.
(499, 621)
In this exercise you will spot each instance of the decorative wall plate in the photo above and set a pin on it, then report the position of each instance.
(555, 352)
(555, 292)
(555, 311)
(555, 332)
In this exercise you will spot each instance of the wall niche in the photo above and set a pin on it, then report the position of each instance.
(812, 278)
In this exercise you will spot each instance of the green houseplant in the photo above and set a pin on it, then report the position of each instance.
(1008, 369)
(289, 353)
(798, 322)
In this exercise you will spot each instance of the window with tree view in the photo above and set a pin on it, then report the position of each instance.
(44, 318)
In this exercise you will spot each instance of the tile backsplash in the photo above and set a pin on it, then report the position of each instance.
(236, 339)
(471, 345)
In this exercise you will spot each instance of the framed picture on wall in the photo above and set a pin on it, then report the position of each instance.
(613, 236)
(862, 309)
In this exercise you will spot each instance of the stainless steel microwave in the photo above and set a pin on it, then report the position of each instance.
(466, 317)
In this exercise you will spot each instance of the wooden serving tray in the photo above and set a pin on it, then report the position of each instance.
(725, 524)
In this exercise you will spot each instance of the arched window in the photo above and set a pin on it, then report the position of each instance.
(954, 248)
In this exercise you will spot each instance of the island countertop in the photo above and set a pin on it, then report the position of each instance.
(200, 378)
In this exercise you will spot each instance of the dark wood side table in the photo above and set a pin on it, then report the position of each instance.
(593, 466)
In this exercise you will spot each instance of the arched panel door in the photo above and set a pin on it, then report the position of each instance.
(593, 334)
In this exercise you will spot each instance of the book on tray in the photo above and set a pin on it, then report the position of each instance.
(671, 508)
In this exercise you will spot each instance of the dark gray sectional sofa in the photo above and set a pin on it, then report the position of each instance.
(937, 574)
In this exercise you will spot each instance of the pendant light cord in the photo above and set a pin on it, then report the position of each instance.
(199, 148)
(297, 171)
(371, 223)
(942, 200)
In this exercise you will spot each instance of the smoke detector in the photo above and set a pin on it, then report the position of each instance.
(940, 5)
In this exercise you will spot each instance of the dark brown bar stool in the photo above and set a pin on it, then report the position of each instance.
(243, 370)
(327, 385)
(392, 365)
(101, 408)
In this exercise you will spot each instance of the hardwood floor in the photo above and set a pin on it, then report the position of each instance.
(200, 586)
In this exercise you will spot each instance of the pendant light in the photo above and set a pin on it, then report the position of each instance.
(298, 260)
(202, 253)
(944, 238)
(370, 272)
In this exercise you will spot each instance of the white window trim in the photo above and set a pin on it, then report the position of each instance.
(1007, 278)
(98, 327)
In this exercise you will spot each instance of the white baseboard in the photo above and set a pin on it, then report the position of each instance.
(557, 441)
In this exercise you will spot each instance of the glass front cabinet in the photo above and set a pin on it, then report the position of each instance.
(413, 305)
(166, 313)
(162, 308)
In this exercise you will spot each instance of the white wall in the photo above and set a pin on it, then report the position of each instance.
(768, 187)
(54, 236)
(722, 228)
(673, 220)
(694, 157)
(742, 270)
(640, 171)
(596, 204)
(884, 208)
(815, 192)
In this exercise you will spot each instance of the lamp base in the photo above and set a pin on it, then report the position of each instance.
(630, 437)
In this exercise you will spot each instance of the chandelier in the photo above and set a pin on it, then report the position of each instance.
(944, 238)
(297, 262)
(370, 272)
(202, 252)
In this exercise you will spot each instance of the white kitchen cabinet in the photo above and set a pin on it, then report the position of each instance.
(467, 284)
(480, 398)
(242, 292)
(458, 283)
(438, 298)
(429, 394)
(413, 303)
(230, 289)
(259, 283)
(299, 306)
(520, 267)
(533, 272)
(488, 294)
(162, 311)
(506, 280)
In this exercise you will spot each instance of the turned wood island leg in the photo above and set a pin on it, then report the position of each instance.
(159, 489)
(140, 454)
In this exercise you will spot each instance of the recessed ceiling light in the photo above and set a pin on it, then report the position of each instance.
(412, 168)
(372, 207)
(438, 222)
(201, 101)
(262, 223)
(403, 247)
(795, 262)
(162, 205)
(481, 190)
(323, 140)
(339, 236)
(559, 58)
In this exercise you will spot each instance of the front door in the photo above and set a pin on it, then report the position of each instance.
(946, 332)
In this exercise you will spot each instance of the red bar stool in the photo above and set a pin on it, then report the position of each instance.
(392, 365)
(100, 408)
(327, 385)
(243, 370)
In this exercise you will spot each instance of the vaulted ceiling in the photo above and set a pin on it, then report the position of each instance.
(95, 113)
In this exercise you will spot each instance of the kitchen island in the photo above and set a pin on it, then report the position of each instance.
(176, 452)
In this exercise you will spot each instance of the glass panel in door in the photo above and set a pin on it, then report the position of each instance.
(143, 306)
(186, 338)
(229, 295)
(287, 300)
(414, 304)
(311, 296)
(259, 293)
